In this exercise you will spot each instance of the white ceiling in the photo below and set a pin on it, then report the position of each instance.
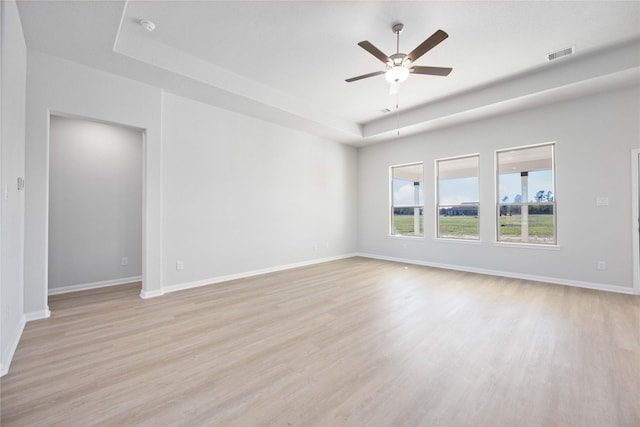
(286, 61)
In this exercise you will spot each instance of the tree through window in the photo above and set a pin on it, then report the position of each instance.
(526, 195)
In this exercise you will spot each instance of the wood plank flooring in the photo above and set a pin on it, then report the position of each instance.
(356, 342)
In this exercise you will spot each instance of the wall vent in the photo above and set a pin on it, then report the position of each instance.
(561, 53)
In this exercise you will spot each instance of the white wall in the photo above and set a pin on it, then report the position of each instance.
(12, 128)
(95, 204)
(594, 136)
(56, 85)
(241, 194)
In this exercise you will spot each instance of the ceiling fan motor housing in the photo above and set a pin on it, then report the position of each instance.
(399, 59)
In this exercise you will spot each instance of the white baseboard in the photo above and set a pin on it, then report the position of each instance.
(220, 279)
(545, 279)
(94, 285)
(11, 347)
(150, 294)
(38, 315)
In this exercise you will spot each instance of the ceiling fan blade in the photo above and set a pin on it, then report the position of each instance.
(434, 71)
(374, 51)
(427, 45)
(364, 76)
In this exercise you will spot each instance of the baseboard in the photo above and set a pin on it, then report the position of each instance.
(11, 347)
(545, 279)
(37, 315)
(94, 285)
(226, 278)
(150, 294)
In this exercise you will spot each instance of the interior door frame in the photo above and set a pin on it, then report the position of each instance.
(635, 216)
(144, 224)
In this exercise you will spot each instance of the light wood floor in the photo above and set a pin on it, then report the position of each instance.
(352, 342)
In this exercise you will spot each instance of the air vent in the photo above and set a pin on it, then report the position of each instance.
(561, 53)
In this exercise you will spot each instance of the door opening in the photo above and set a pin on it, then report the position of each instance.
(95, 205)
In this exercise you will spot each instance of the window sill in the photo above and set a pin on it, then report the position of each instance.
(394, 236)
(461, 241)
(544, 247)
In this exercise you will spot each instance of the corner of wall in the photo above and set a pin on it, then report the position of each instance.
(38, 315)
(151, 294)
(10, 349)
(12, 129)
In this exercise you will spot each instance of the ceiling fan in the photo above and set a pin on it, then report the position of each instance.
(400, 65)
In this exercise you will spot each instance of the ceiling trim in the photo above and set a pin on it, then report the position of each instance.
(593, 86)
(117, 44)
(574, 77)
(256, 95)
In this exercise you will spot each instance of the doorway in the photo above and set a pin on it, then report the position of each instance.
(635, 217)
(95, 205)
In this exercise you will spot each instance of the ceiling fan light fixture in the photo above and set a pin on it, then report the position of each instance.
(397, 74)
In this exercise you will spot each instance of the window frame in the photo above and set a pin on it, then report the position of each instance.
(414, 206)
(437, 199)
(553, 204)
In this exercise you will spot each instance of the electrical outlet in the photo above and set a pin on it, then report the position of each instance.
(124, 261)
(179, 265)
(602, 265)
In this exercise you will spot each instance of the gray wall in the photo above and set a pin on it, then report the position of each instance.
(241, 194)
(12, 157)
(594, 137)
(95, 203)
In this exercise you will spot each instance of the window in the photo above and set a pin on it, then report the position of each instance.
(458, 195)
(407, 187)
(526, 195)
